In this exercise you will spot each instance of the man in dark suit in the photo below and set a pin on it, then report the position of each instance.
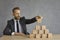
(17, 25)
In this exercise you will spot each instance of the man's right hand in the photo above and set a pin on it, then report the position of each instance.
(18, 34)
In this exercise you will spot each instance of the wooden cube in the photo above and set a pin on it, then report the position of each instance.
(32, 36)
(38, 35)
(46, 31)
(49, 35)
(37, 27)
(43, 27)
(44, 36)
(40, 31)
(35, 32)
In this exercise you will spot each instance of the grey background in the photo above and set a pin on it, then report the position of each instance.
(49, 9)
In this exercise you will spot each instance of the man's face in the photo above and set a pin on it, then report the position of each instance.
(16, 14)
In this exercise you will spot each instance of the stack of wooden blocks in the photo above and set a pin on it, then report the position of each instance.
(40, 32)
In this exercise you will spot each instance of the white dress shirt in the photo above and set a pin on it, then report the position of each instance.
(16, 26)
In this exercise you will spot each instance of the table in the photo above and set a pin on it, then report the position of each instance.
(5, 37)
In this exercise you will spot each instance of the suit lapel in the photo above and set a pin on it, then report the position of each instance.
(21, 23)
(13, 26)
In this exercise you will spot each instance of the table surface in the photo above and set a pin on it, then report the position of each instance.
(5, 37)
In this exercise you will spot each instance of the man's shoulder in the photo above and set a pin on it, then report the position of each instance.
(22, 17)
(13, 19)
(10, 20)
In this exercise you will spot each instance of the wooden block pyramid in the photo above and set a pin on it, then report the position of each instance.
(40, 32)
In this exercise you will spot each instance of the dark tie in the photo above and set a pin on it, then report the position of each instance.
(17, 26)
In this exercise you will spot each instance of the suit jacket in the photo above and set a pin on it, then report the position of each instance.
(11, 28)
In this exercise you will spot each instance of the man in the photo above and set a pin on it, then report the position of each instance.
(17, 25)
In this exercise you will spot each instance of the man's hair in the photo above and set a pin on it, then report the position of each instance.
(15, 8)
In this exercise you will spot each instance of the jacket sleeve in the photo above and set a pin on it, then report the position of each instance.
(29, 21)
(7, 30)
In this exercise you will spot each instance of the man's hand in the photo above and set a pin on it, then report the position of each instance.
(39, 19)
(18, 34)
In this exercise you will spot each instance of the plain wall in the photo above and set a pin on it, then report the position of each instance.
(49, 9)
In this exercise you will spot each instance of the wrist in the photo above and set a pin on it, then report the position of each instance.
(12, 33)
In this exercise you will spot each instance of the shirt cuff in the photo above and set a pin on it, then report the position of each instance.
(12, 33)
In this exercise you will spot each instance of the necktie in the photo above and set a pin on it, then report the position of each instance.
(17, 26)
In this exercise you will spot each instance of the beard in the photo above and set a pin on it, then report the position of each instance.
(17, 18)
